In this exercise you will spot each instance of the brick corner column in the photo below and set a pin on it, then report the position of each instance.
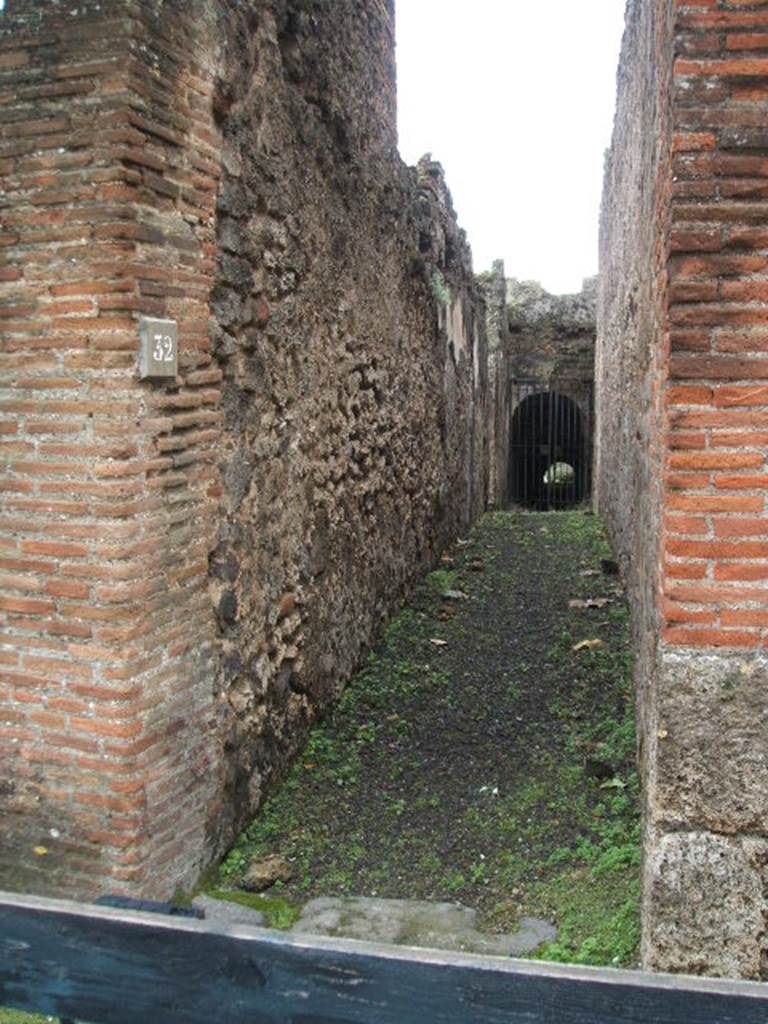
(707, 848)
(110, 155)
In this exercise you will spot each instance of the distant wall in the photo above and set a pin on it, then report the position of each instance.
(493, 285)
(550, 337)
(683, 412)
(192, 568)
(548, 344)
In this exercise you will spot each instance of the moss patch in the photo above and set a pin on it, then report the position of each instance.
(17, 1017)
(278, 912)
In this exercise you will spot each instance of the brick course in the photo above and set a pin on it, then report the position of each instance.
(719, 293)
(111, 162)
(682, 384)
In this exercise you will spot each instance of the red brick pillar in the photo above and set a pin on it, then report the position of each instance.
(706, 867)
(682, 374)
(110, 158)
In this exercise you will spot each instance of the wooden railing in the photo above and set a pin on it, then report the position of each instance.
(109, 966)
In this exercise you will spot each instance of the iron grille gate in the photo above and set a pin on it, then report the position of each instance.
(550, 445)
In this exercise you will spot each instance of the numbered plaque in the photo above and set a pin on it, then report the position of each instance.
(159, 351)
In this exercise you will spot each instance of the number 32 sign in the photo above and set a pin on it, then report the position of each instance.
(159, 350)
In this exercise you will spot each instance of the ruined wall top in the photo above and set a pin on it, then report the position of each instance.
(493, 286)
(550, 337)
(532, 307)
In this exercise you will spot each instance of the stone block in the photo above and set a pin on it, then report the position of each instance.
(705, 904)
(712, 743)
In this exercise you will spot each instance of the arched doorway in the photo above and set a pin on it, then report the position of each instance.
(549, 464)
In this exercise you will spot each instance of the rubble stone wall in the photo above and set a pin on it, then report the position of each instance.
(551, 340)
(191, 568)
(683, 410)
(548, 344)
(493, 285)
(351, 337)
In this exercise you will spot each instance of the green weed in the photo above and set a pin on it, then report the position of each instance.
(17, 1017)
(278, 912)
(598, 919)
(454, 881)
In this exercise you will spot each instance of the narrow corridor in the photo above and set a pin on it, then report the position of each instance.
(485, 753)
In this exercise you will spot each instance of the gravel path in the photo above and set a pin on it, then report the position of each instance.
(481, 755)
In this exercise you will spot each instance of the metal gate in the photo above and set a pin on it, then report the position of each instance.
(550, 447)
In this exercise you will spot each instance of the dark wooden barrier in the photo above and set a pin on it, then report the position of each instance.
(120, 967)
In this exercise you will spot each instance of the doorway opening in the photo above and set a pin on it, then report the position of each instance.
(549, 453)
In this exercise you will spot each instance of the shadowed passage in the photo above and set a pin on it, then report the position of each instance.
(549, 462)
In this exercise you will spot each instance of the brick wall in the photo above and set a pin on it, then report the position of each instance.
(693, 537)
(191, 569)
(110, 160)
(717, 555)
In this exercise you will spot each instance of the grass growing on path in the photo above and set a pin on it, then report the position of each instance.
(480, 755)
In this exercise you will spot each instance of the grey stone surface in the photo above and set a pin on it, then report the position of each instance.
(224, 912)
(705, 881)
(550, 338)
(705, 907)
(711, 762)
(531, 306)
(417, 923)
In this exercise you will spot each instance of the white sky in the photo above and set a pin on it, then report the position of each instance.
(515, 99)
